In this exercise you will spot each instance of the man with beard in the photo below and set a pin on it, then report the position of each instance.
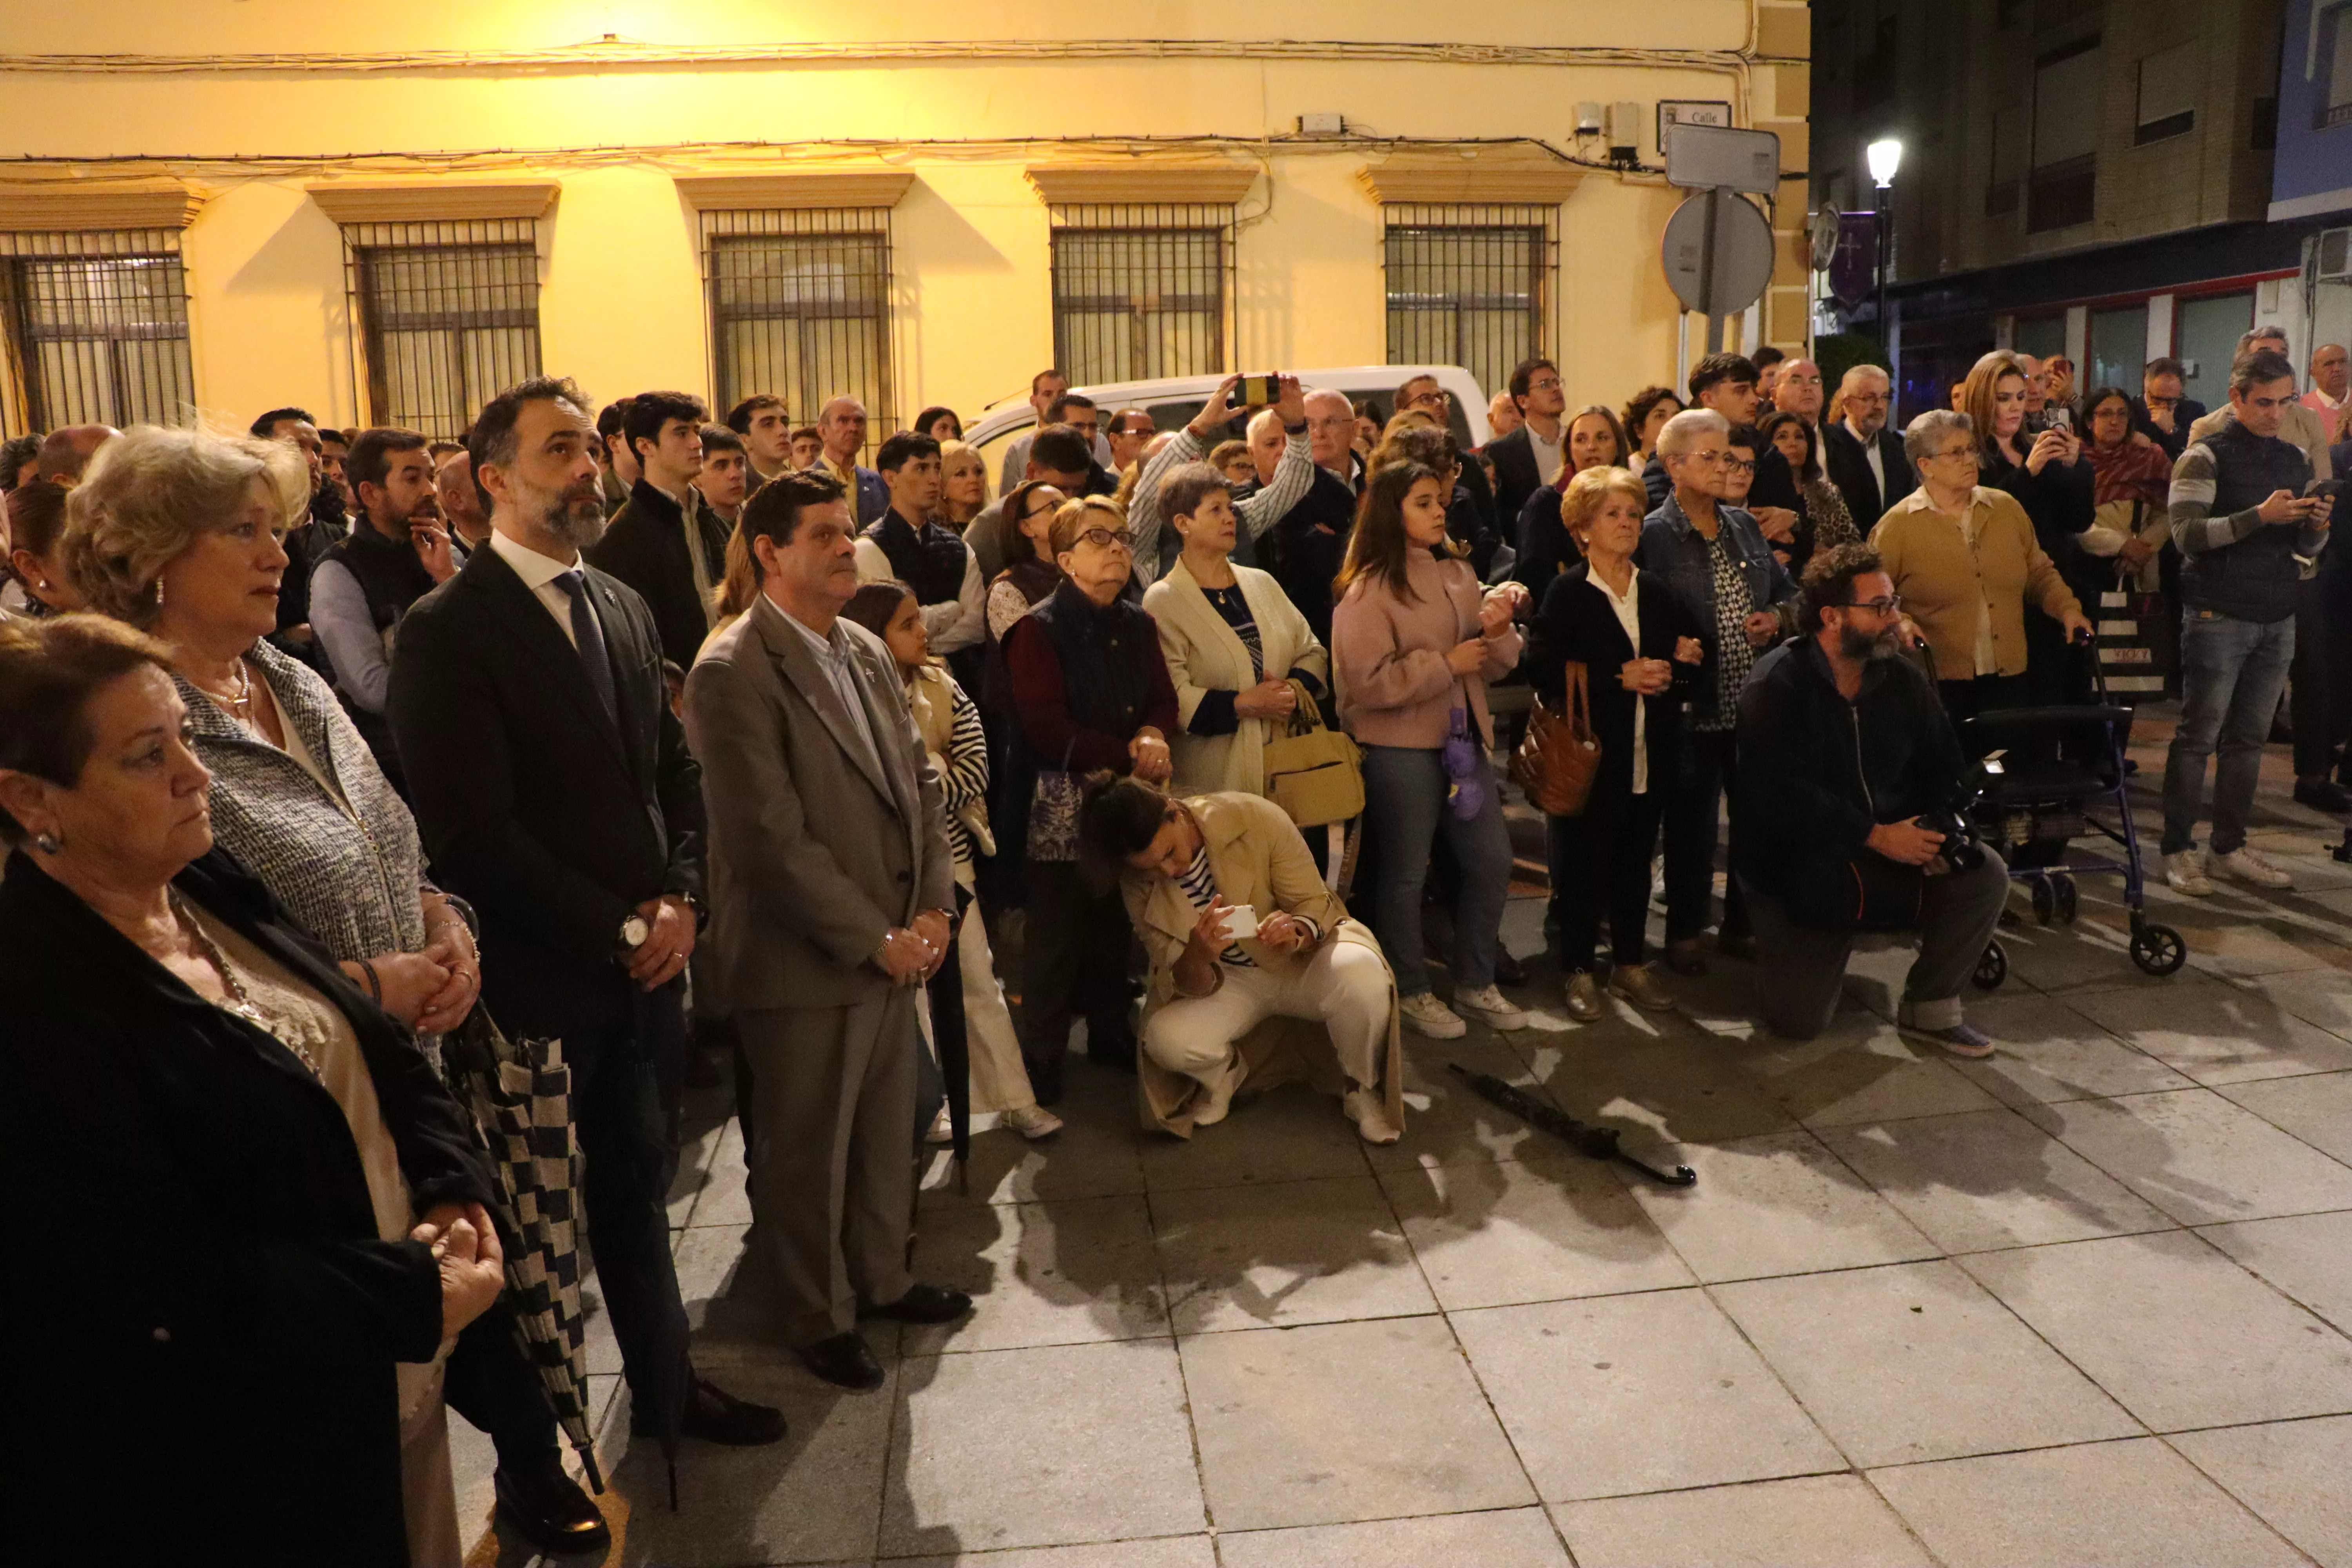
(1842, 746)
(398, 553)
(553, 789)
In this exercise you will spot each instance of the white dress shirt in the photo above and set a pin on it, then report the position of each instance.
(539, 574)
(1550, 455)
(1629, 616)
(1877, 467)
(832, 653)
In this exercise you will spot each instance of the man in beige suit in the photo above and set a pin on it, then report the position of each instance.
(830, 886)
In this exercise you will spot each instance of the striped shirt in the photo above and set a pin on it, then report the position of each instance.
(1200, 888)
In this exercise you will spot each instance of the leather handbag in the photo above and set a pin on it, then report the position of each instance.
(1316, 774)
(1559, 758)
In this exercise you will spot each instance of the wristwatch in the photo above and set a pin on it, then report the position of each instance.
(633, 932)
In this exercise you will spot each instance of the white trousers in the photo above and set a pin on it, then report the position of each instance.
(1345, 986)
(999, 1080)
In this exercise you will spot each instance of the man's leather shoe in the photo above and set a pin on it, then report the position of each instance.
(2323, 795)
(925, 1304)
(1508, 970)
(716, 1415)
(550, 1511)
(846, 1360)
(1684, 957)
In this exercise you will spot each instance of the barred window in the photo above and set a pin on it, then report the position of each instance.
(94, 329)
(445, 317)
(1470, 285)
(1142, 292)
(800, 308)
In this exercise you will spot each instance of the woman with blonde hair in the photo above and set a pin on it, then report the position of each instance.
(2054, 481)
(1635, 642)
(963, 484)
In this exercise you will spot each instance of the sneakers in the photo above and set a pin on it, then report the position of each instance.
(1584, 997)
(1426, 1016)
(2184, 872)
(1638, 984)
(1033, 1123)
(2243, 865)
(1370, 1114)
(1961, 1039)
(1490, 1007)
(942, 1130)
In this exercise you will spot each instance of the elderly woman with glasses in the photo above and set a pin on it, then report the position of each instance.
(1091, 690)
(1965, 562)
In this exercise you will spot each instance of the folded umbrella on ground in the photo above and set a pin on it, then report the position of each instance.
(1599, 1143)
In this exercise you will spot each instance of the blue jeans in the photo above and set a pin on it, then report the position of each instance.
(1405, 809)
(2232, 672)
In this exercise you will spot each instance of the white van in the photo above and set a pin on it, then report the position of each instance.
(1173, 400)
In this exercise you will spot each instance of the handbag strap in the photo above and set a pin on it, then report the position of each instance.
(1578, 704)
(1308, 715)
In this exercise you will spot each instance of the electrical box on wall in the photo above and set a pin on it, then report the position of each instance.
(1626, 131)
(1322, 125)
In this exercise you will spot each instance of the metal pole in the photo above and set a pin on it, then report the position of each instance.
(1707, 272)
(1885, 340)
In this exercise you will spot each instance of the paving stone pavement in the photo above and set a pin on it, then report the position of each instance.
(2085, 1301)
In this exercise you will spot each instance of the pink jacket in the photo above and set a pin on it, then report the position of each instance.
(1388, 656)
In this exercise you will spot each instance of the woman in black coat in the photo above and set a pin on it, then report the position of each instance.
(2049, 476)
(200, 1339)
(1603, 855)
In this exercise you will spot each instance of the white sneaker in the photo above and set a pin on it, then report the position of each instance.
(1033, 1123)
(1490, 1007)
(1219, 1087)
(2184, 872)
(1425, 1014)
(2243, 865)
(1371, 1115)
(942, 1130)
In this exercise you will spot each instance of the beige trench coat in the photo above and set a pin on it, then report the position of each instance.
(1257, 858)
(1205, 654)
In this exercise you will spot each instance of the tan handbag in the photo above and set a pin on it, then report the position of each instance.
(1316, 774)
(1558, 760)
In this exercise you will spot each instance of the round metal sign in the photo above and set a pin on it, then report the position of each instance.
(1718, 265)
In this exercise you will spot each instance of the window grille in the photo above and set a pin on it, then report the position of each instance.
(1470, 286)
(800, 308)
(2332, 104)
(445, 317)
(1142, 292)
(94, 329)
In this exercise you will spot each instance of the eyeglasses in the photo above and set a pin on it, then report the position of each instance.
(1732, 464)
(1886, 606)
(1708, 460)
(1967, 454)
(1104, 538)
(1547, 384)
(1438, 396)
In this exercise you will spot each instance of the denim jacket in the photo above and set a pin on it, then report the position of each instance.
(1678, 553)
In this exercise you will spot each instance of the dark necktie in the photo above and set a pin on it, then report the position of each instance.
(590, 637)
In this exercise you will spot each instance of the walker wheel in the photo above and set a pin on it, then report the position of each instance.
(2159, 950)
(2045, 901)
(2067, 899)
(1993, 968)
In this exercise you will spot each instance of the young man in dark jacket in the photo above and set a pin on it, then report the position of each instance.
(1842, 746)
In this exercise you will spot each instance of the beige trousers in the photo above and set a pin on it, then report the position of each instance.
(1345, 986)
(999, 1080)
(428, 1497)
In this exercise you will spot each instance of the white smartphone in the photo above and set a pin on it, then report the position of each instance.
(1241, 923)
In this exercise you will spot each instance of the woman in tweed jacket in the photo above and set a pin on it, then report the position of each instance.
(183, 539)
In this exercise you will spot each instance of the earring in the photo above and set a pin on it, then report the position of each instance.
(47, 843)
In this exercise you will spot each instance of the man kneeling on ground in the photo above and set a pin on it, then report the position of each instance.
(1843, 744)
(1223, 990)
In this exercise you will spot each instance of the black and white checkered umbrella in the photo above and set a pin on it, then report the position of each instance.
(520, 1092)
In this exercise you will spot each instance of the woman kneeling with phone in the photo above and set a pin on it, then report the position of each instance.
(1242, 936)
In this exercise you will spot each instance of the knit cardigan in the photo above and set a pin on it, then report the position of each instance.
(1942, 581)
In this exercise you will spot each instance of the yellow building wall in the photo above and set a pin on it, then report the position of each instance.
(622, 304)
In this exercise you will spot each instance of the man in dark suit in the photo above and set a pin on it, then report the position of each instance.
(1865, 458)
(1531, 455)
(665, 541)
(833, 898)
(553, 789)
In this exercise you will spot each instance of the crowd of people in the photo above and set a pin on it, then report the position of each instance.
(706, 748)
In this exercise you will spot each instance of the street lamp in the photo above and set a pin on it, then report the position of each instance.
(1884, 156)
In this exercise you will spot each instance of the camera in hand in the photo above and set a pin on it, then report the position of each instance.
(1952, 818)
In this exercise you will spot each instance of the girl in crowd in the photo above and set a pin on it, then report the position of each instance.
(1414, 644)
(1646, 413)
(1029, 574)
(1822, 520)
(949, 722)
(939, 423)
(37, 520)
(2048, 475)
(1232, 639)
(1637, 643)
